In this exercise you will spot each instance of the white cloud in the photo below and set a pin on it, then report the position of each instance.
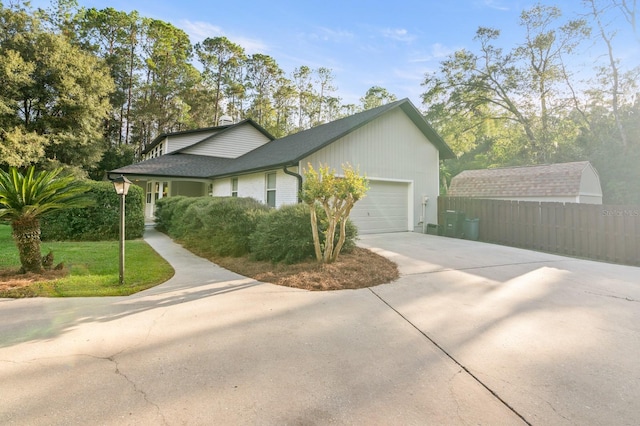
(398, 34)
(436, 52)
(329, 34)
(198, 31)
(493, 4)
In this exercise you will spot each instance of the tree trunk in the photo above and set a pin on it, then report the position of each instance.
(314, 231)
(330, 234)
(343, 230)
(26, 234)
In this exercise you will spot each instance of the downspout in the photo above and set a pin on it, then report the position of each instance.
(297, 176)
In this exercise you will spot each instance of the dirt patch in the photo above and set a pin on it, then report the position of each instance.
(15, 284)
(359, 269)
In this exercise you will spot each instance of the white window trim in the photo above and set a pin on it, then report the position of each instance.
(268, 190)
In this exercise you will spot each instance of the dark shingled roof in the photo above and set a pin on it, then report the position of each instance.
(287, 151)
(291, 149)
(176, 165)
(548, 180)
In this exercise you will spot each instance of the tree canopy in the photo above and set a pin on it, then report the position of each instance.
(86, 88)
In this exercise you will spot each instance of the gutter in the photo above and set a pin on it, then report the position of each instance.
(297, 176)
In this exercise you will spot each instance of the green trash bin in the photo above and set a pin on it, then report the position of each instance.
(453, 223)
(432, 229)
(471, 229)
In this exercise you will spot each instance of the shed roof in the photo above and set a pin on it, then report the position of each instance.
(549, 180)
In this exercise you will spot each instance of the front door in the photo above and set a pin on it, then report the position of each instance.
(155, 191)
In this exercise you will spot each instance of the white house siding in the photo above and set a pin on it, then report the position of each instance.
(254, 185)
(390, 148)
(231, 144)
(174, 143)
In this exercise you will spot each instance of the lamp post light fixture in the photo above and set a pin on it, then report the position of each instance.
(121, 185)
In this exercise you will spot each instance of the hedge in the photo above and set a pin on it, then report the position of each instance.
(231, 226)
(285, 235)
(100, 221)
(219, 226)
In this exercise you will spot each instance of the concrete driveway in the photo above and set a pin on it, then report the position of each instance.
(470, 334)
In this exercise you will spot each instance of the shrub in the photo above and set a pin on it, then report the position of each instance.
(100, 221)
(168, 211)
(218, 226)
(285, 235)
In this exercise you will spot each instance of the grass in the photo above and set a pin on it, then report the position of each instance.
(90, 269)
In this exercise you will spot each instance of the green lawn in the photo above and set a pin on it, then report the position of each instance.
(93, 268)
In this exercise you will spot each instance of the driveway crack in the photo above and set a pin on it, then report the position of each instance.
(458, 363)
(628, 299)
(133, 384)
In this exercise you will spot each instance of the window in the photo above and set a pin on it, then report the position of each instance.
(271, 189)
(149, 190)
(234, 187)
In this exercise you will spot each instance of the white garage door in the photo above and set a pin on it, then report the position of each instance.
(384, 209)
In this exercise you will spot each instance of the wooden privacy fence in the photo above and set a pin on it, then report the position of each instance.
(603, 232)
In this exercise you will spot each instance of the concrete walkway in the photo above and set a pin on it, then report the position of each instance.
(470, 334)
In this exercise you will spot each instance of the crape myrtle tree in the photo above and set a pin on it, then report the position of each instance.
(337, 196)
(26, 198)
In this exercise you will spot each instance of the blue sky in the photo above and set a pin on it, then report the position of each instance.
(365, 43)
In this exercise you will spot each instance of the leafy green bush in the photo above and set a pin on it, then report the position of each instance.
(285, 235)
(168, 211)
(99, 222)
(218, 226)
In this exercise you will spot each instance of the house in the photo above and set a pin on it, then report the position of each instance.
(576, 182)
(392, 145)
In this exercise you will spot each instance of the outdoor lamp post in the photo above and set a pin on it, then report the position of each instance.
(121, 185)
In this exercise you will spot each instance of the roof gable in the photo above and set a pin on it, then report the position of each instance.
(293, 148)
(562, 179)
(198, 136)
(231, 142)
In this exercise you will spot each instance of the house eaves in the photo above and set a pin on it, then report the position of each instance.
(175, 165)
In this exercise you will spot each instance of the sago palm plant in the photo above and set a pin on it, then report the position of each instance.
(24, 199)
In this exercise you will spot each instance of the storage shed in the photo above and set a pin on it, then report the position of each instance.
(576, 182)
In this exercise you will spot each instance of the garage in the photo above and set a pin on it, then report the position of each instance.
(384, 209)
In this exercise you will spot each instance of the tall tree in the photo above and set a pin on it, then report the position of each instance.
(220, 59)
(525, 86)
(302, 80)
(376, 96)
(168, 75)
(56, 95)
(326, 89)
(263, 74)
(114, 36)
